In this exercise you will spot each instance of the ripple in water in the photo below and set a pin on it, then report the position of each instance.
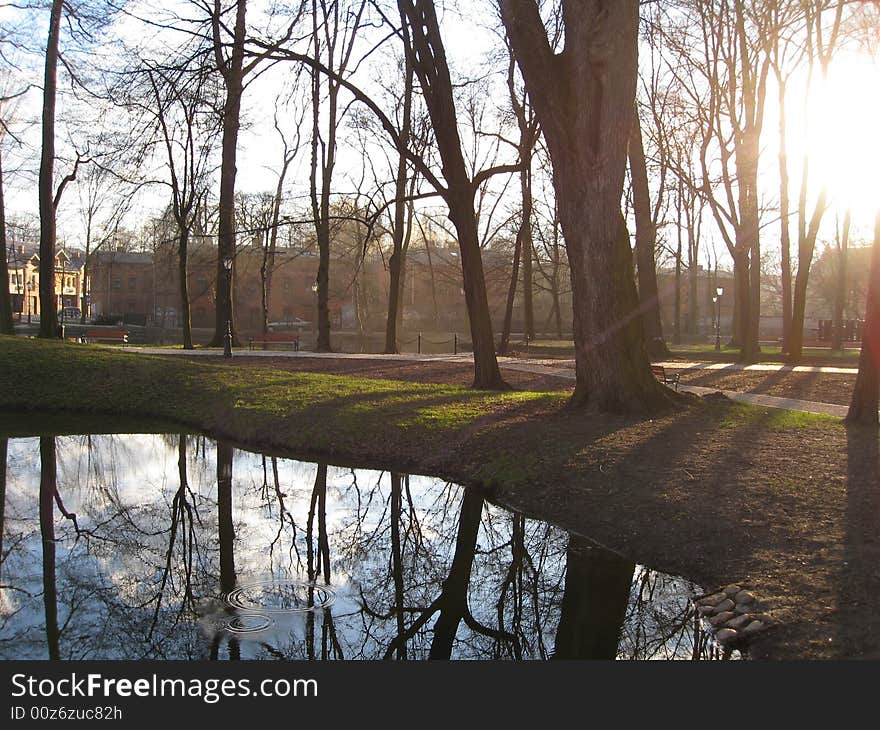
(272, 596)
(248, 624)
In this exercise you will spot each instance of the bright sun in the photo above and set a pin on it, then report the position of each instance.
(844, 134)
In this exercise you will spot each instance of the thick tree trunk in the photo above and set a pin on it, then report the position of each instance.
(233, 77)
(649, 300)
(597, 588)
(48, 303)
(587, 141)
(6, 325)
(866, 394)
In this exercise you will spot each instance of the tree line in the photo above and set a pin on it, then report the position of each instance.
(607, 119)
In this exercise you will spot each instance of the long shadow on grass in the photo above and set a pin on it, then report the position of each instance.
(678, 493)
(859, 575)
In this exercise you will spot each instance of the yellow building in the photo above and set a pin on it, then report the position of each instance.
(24, 280)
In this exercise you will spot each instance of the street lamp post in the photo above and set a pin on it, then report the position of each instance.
(717, 299)
(227, 337)
(30, 290)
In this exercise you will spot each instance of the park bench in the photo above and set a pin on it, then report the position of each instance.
(660, 373)
(106, 335)
(275, 338)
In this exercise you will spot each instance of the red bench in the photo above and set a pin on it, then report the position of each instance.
(106, 335)
(660, 373)
(275, 338)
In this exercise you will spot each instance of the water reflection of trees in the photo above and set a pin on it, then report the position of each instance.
(421, 569)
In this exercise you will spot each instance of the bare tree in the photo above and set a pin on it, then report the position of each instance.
(182, 111)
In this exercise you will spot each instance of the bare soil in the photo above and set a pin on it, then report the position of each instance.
(834, 388)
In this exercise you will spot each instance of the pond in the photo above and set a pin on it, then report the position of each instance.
(176, 546)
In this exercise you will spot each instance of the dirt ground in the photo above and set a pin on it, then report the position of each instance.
(820, 387)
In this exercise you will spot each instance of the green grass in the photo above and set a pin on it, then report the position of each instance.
(298, 411)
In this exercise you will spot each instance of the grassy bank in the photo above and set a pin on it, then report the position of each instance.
(718, 492)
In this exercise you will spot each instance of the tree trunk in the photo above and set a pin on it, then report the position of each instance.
(649, 300)
(429, 65)
(487, 376)
(225, 522)
(453, 602)
(233, 77)
(784, 211)
(6, 325)
(587, 142)
(511, 296)
(840, 288)
(396, 262)
(866, 393)
(676, 328)
(48, 490)
(597, 588)
(48, 308)
(182, 260)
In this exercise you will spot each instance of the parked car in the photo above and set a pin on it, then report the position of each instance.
(290, 324)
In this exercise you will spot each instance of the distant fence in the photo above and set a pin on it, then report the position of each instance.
(852, 330)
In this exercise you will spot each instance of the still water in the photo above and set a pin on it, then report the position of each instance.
(174, 546)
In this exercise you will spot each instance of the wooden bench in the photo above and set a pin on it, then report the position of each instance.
(108, 335)
(660, 373)
(275, 338)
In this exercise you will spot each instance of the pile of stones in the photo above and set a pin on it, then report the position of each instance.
(734, 615)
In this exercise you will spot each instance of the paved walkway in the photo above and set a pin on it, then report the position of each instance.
(559, 369)
(729, 367)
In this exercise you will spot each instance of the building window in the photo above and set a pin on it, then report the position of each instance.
(117, 283)
(132, 283)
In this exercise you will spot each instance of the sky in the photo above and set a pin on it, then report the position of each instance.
(837, 126)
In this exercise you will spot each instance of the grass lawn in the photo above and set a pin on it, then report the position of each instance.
(784, 503)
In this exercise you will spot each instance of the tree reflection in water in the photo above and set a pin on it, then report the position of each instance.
(159, 530)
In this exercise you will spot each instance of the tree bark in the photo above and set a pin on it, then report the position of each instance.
(48, 308)
(866, 393)
(587, 141)
(646, 236)
(6, 325)
(233, 78)
(182, 262)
